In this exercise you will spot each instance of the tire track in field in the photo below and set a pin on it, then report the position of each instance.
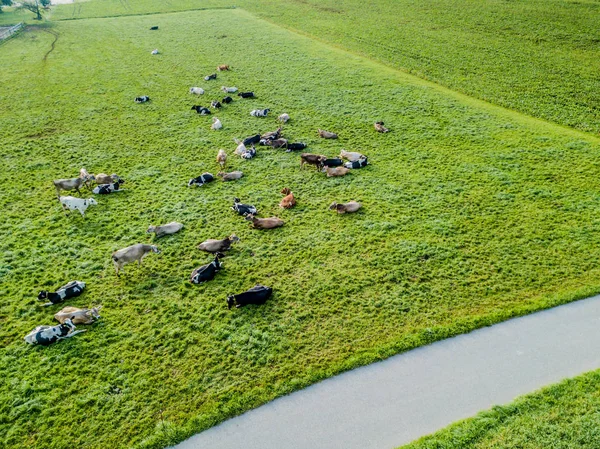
(56, 35)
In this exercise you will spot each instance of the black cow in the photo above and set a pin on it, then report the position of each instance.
(104, 189)
(334, 162)
(201, 180)
(68, 291)
(246, 94)
(362, 162)
(154, 28)
(256, 295)
(143, 99)
(215, 104)
(296, 146)
(210, 77)
(251, 140)
(206, 272)
(201, 110)
(243, 209)
(227, 100)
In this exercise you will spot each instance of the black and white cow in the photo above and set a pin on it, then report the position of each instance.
(68, 291)
(243, 209)
(206, 272)
(104, 189)
(210, 77)
(227, 100)
(248, 153)
(143, 99)
(201, 180)
(333, 162)
(256, 295)
(259, 112)
(201, 110)
(246, 94)
(215, 104)
(362, 162)
(296, 146)
(46, 335)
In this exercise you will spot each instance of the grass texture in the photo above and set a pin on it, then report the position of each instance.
(563, 416)
(471, 214)
(540, 57)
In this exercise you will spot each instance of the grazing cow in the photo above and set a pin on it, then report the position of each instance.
(222, 67)
(201, 180)
(288, 201)
(80, 204)
(243, 209)
(206, 272)
(215, 246)
(227, 100)
(221, 158)
(264, 223)
(251, 140)
(104, 189)
(351, 156)
(363, 162)
(230, 176)
(155, 51)
(346, 208)
(68, 184)
(196, 90)
(154, 28)
(142, 99)
(201, 110)
(77, 316)
(68, 291)
(312, 159)
(327, 134)
(210, 77)
(216, 124)
(333, 162)
(215, 104)
(248, 153)
(283, 118)
(380, 128)
(246, 95)
(131, 254)
(259, 112)
(296, 146)
(256, 295)
(167, 229)
(46, 335)
(229, 90)
(337, 171)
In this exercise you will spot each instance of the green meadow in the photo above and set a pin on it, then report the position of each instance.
(563, 416)
(472, 214)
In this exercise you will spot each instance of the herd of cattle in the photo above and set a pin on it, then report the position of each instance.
(68, 317)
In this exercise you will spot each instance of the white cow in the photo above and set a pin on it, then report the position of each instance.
(80, 204)
(196, 90)
(216, 124)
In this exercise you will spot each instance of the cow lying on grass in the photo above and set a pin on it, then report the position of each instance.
(68, 291)
(256, 295)
(46, 335)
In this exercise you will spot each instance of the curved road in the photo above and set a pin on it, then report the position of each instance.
(390, 403)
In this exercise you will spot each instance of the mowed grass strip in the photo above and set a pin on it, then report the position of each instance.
(562, 416)
(471, 214)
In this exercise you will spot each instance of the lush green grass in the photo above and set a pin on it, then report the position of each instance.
(563, 416)
(472, 214)
(540, 57)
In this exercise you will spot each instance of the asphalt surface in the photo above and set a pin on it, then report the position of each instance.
(390, 403)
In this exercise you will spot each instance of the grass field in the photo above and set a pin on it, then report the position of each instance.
(472, 214)
(563, 416)
(540, 57)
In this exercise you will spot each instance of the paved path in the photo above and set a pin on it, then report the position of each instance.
(390, 403)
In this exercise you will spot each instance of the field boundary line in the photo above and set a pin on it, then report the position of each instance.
(216, 8)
